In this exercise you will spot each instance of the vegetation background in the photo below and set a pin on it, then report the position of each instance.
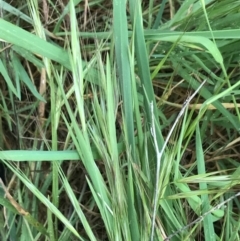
(99, 140)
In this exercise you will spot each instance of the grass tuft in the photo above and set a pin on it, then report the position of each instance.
(119, 120)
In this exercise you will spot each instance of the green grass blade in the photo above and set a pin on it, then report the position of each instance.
(41, 197)
(76, 206)
(4, 73)
(209, 232)
(23, 76)
(142, 61)
(17, 36)
(9, 8)
(123, 65)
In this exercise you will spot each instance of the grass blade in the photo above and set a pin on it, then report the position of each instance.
(208, 221)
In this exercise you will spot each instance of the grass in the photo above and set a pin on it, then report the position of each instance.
(93, 146)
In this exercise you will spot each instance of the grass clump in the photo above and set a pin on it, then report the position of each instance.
(93, 145)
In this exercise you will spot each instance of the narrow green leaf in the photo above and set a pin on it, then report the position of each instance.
(120, 26)
(208, 220)
(17, 36)
(123, 65)
(5, 75)
(25, 78)
(9, 8)
(208, 44)
(27, 55)
(33, 222)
